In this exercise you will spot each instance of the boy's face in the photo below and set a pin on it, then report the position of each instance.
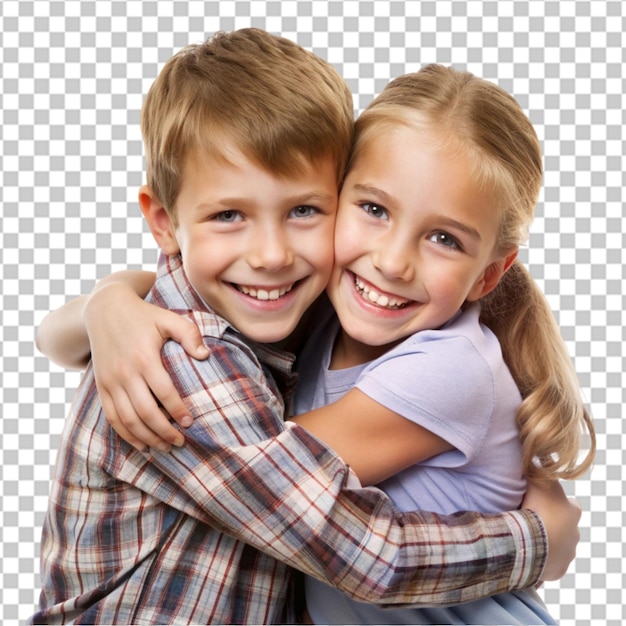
(415, 239)
(256, 247)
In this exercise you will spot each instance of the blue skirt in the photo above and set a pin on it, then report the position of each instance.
(329, 606)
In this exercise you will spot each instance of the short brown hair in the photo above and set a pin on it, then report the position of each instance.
(281, 105)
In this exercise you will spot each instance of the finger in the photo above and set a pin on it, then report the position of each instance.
(147, 421)
(116, 423)
(133, 424)
(156, 418)
(186, 333)
(159, 381)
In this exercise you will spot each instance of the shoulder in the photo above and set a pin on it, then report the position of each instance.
(230, 358)
(440, 371)
(458, 349)
(231, 393)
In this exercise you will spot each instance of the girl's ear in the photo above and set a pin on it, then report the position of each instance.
(158, 220)
(491, 276)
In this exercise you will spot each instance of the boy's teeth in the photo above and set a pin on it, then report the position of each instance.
(264, 294)
(376, 298)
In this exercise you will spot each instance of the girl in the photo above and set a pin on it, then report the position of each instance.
(407, 383)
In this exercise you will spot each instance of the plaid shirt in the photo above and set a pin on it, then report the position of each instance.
(209, 533)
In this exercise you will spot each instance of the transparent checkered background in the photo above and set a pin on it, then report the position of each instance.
(73, 77)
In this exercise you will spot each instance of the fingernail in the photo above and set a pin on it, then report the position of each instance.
(186, 421)
(164, 447)
(179, 442)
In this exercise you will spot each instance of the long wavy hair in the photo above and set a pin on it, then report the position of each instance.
(485, 123)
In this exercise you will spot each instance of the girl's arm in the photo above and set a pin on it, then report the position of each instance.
(373, 440)
(126, 335)
(62, 336)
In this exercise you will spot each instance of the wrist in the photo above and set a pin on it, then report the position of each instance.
(106, 294)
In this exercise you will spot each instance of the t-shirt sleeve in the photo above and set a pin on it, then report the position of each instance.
(444, 385)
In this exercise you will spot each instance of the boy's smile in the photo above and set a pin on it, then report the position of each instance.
(258, 248)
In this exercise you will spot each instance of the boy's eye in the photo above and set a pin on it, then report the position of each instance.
(228, 216)
(303, 211)
(375, 210)
(446, 240)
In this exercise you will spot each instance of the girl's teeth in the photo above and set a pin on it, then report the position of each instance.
(376, 298)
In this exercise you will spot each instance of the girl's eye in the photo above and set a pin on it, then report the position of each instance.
(303, 211)
(228, 216)
(446, 240)
(375, 210)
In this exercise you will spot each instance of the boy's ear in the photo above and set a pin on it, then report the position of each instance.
(158, 220)
(491, 276)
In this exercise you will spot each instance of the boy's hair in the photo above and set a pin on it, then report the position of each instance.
(280, 105)
(486, 124)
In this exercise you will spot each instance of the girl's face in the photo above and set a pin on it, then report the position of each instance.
(414, 240)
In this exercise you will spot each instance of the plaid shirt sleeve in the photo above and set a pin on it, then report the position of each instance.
(276, 487)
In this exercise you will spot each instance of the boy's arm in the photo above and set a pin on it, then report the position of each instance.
(294, 499)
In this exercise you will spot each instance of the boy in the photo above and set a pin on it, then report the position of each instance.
(246, 139)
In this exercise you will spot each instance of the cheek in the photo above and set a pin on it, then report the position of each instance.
(449, 288)
(348, 241)
(208, 254)
(317, 248)
(325, 258)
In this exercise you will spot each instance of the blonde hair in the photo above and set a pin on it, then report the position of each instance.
(486, 123)
(280, 105)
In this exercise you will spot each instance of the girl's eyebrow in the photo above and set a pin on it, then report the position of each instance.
(387, 200)
(469, 230)
(383, 196)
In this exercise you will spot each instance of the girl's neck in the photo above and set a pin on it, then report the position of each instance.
(348, 352)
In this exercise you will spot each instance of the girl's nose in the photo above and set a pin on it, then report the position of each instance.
(395, 261)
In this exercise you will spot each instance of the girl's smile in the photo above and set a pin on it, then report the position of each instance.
(374, 296)
(414, 240)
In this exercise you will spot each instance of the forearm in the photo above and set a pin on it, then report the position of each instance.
(63, 334)
(356, 541)
(288, 497)
(278, 488)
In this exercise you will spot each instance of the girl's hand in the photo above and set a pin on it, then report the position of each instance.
(126, 335)
(560, 516)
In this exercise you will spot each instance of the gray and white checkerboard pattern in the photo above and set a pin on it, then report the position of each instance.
(73, 77)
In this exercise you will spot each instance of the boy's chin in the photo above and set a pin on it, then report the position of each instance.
(271, 333)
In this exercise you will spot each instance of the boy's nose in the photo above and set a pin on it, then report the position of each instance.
(271, 252)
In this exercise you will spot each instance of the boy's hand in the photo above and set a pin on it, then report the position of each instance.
(560, 516)
(126, 335)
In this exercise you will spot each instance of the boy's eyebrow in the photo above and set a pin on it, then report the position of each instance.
(312, 197)
(387, 199)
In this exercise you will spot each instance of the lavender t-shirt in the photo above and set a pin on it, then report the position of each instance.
(454, 382)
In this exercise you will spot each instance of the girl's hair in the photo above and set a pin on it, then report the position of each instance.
(282, 106)
(480, 120)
